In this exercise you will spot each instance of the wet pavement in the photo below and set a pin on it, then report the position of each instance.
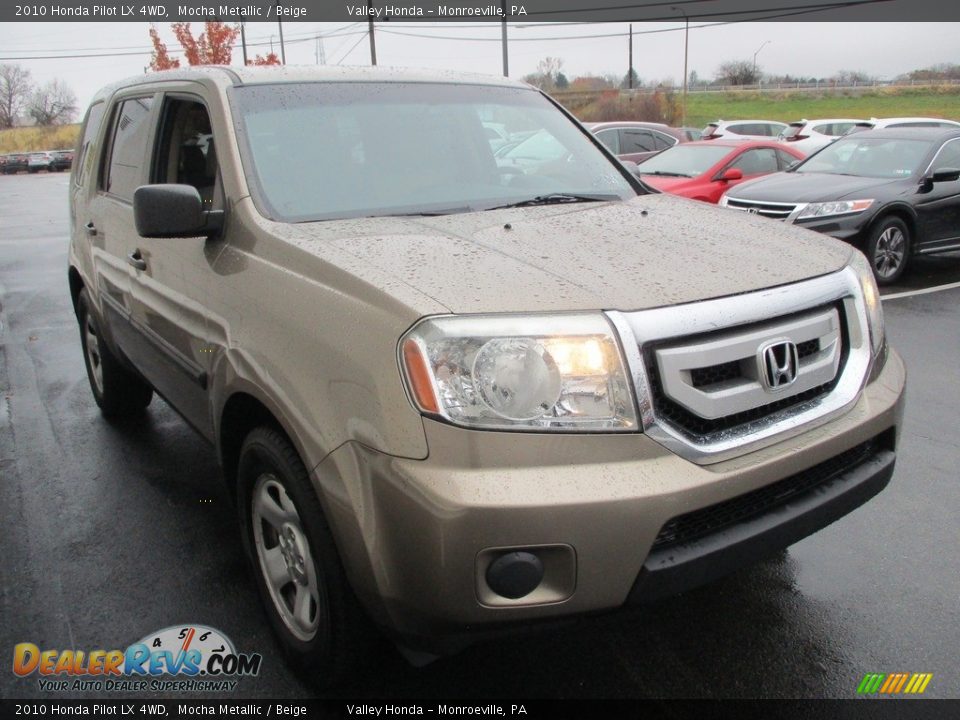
(113, 531)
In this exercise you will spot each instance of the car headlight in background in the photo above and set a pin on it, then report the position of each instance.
(871, 299)
(840, 207)
(530, 372)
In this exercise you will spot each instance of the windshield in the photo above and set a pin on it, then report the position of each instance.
(687, 160)
(315, 151)
(868, 157)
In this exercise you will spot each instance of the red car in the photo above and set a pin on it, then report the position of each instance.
(706, 169)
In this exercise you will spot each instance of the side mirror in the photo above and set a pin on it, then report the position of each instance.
(731, 174)
(945, 175)
(173, 211)
(631, 166)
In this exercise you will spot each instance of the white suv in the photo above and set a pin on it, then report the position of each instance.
(743, 129)
(901, 122)
(808, 136)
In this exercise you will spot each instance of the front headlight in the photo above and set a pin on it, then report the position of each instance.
(840, 207)
(871, 299)
(531, 372)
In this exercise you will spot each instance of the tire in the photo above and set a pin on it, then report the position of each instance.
(888, 249)
(117, 391)
(284, 527)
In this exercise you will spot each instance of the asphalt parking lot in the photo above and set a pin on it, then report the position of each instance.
(113, 531)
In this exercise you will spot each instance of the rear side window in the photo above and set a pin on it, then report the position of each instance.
(91, 128)
(128, 147)
(636, 141)
(664, 141)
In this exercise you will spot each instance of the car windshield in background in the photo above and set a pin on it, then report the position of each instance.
(869, 157)
(316, 151)
(684, 160)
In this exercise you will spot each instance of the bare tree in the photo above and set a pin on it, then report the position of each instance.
(738, 72)
(52, 104)
(14, 93)
(852, 77)
(547, 74)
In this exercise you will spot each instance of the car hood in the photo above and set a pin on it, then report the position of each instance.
(651, 251)
(791, 187)
(670, 184)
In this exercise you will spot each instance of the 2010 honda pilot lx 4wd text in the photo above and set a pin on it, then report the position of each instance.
(452, 392)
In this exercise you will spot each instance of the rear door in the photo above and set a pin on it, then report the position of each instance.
(108, 218)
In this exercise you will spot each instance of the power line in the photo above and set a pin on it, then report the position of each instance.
(794, 11)
(264, 43)
(352, 48)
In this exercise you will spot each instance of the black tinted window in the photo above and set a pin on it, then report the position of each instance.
(637, 141)
(128, 148)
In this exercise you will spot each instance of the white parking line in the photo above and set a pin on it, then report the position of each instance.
(924, 291)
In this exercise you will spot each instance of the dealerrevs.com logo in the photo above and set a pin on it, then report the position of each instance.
(201, 658)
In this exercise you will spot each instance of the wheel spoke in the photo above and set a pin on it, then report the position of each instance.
(269, 510)
(302, 605)
(276, 568)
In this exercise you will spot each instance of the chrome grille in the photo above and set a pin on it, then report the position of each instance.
(707, 377)
(777, 211)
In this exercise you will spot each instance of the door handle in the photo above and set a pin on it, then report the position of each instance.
(136, 260)
(90, 228)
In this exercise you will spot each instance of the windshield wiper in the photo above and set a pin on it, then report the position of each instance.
(556, 199)
(664, 173)
(426, 213)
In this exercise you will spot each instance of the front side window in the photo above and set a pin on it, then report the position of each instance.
(186, 153)
(131, 128)
(757, 161)
(684, 160)
(948, 157)
(316, 151)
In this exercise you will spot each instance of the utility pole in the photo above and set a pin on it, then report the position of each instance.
(503, 37)
(243, 41)
(630, 71)
(283, 51)
(319, 53)
(686, 55)
(373, 42)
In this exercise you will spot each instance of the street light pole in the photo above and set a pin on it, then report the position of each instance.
(765, 43)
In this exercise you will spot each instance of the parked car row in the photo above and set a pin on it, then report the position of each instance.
(49, 160)
(889, 186)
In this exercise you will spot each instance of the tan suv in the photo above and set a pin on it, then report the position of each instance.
(452, 393)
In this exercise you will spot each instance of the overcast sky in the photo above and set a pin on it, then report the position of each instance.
(883, 50)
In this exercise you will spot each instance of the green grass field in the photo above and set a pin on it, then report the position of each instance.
(786, 106)
(886, 102)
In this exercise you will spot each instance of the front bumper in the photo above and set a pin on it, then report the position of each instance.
(849, 228)
(417, 536)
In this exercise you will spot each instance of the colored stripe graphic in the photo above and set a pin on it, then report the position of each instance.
(894, 683)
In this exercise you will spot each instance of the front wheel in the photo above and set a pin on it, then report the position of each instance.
(888, 250)
(296, 565)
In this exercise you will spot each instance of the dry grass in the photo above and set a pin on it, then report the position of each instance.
(30, 139)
